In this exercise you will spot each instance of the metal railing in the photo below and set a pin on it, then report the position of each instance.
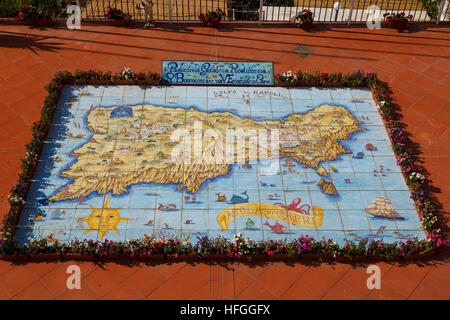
(248, 10)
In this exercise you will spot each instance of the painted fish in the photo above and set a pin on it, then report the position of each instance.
(276, 228)
(240, 199)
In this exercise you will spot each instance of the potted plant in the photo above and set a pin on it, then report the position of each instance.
(117, 17)
(32, 15)
(127, 76)
(397, 20)
(304, 19)
(212, 18)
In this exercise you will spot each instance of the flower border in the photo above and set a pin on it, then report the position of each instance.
(221, 248)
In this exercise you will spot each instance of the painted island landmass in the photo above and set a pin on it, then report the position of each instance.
(132, 144)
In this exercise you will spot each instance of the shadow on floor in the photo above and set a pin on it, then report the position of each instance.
(30, 42)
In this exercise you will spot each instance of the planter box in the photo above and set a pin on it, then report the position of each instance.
(119, 23)
(123, 81)
(213, 257)
(253, 257)
(45, 257)
(420, 256)
(98, 82)
(351, 259)
(181, 258)
(383, 258)
(281, 257)
(211, 24)
(332, 84)
(152, 257)
(142, 82)
(398, 25)
(36, 22)
(304, 25)
(74, 256)
(15, 258)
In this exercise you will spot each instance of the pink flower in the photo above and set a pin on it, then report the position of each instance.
(20, 14)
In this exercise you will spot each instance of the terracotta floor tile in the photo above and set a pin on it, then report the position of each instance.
(341, 291)
(405, 279)
(101, 281)
(146, 280)
(385, 293)
(276, 280)
(318, 280)
(256, 291)
(167, 291)
(122, 291)
(170, 269)
(84, 293)
(204, 292)
(299, 292)
(190, 279)
(36, 291)
(217, 290)
(427, 292)
(17, 279)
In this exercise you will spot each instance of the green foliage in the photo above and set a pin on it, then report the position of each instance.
(432, 7)
(12, 8)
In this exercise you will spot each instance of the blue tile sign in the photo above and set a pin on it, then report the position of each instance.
(217, 73)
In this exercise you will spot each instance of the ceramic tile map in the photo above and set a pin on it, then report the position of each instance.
(107, 169)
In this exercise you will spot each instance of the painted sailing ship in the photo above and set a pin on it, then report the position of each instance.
(382, 207)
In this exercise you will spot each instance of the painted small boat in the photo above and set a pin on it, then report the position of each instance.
(170, 207)
(359, 155)
(250, 224)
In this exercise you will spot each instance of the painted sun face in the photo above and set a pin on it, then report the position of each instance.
(103, 220)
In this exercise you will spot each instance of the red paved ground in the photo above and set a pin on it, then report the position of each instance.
(416, 65)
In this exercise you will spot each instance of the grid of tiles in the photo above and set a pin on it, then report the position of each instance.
(368, 171)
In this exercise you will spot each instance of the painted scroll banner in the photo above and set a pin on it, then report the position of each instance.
(226, 216)
(217, 73)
